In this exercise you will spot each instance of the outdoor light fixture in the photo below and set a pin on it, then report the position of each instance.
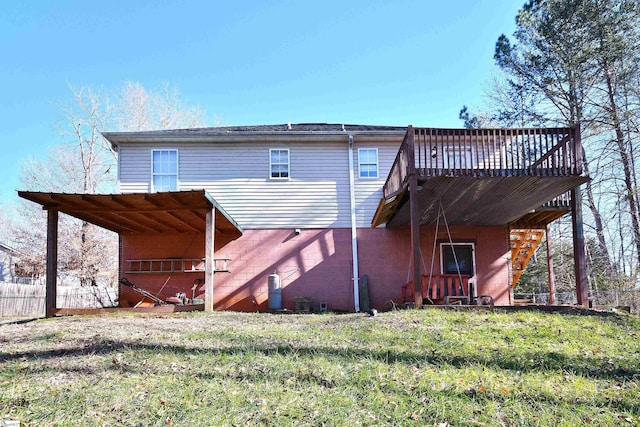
(434, 152)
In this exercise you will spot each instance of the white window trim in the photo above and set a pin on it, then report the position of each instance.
(472, 280)
(460, 161)
(177, 174)
(360, 163)
(280, 178)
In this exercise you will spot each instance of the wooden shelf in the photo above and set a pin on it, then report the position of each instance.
(173, 265)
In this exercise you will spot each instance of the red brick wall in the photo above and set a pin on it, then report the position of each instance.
(161, 246)
(316, 263)
(385, 256)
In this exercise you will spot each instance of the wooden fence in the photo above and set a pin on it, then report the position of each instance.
(29, 300)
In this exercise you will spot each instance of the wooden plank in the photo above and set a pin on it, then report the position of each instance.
(166, 308)
(183, 221)
(386, 210)
(52, 262)
(378, 217)
(153, 218)
(130, 222)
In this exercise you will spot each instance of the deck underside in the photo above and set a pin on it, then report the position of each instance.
(511, 200)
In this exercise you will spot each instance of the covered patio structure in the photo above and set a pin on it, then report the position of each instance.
(139, 214)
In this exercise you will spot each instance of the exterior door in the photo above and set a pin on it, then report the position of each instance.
(464, 261)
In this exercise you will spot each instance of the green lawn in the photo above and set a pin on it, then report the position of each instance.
(412, 367)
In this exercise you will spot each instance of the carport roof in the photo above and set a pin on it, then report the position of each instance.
(141, 213)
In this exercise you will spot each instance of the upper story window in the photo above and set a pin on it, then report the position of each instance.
(368, 162)
(164, 170)
(279, 162)
(458, 158)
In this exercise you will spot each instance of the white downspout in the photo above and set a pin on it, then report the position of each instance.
(354, 229)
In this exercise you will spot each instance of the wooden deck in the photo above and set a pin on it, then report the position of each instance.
(517, 177)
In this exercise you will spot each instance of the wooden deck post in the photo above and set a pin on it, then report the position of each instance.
(552, 277)
(52, 263)
(209, 259)
(579, 257)
(415, 220)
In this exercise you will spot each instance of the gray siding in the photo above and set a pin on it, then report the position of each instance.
(134, 173)
(368, 191)
(236, 174)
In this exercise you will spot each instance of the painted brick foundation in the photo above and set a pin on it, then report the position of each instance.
(317, 263)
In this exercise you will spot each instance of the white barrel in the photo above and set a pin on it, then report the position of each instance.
(275, 292)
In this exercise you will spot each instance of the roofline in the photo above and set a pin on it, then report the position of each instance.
(220, 209)
(116, 138)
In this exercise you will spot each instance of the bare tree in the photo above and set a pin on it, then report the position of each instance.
(582, 57)
(86, 164)
(139, 109)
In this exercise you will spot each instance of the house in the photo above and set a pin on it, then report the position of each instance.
(323, 205)
(9, 257)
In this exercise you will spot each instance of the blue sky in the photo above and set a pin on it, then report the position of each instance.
(247, 62)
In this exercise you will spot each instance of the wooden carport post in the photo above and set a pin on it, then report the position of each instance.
(52, 263)
(415, 221)
(209, 260)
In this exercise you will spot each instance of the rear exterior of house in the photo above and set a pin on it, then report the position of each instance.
(315, 205)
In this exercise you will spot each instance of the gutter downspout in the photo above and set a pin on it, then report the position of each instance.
(354, 229)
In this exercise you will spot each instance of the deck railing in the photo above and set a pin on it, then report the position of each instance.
(486, 153)
(397, 178)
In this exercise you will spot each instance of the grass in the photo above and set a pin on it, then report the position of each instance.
(413, 367)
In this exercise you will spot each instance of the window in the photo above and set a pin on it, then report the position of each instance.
(164, 170)
(279, 162)
(368, 162)
(463, 256)
(458, 158)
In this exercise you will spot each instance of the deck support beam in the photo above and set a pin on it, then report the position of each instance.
(52, 263)
(552, 276)
(579, 256)
(209, 259)
(415, 220)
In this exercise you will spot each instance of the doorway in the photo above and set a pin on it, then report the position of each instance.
(464, 262)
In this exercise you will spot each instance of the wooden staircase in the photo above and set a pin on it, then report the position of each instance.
(387, 207)
(523, 245)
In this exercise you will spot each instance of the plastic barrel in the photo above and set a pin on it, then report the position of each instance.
(275, 292)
